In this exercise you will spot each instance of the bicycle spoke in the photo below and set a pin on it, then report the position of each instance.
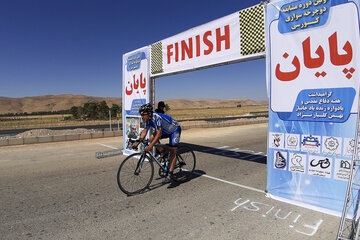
(133, 176)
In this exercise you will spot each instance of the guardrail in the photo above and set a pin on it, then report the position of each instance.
(9, 141)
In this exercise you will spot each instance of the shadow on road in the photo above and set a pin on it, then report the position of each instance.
(238, 154)
(188, 176)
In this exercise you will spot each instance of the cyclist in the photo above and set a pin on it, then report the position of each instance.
(165, 127)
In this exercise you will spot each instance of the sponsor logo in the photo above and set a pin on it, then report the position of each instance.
(331, 143)
(311, 141)
(345, 164)
(323, 163)
(292, 141)
(280, 160)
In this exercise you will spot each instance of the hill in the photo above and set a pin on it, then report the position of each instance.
(49, 103)
(66, 101)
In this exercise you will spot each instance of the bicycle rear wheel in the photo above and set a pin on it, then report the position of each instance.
(185, 163)
(135, 174)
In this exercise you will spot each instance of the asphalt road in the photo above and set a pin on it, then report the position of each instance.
(61, 191)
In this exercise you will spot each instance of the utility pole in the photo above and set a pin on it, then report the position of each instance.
(110, 119)
(118, 119)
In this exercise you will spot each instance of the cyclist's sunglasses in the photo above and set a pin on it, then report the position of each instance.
(144, 114)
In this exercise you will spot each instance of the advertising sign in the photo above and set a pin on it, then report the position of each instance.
(313, 63)
(136, 87)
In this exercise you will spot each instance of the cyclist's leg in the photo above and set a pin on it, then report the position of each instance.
(174, 143)
(158, 148)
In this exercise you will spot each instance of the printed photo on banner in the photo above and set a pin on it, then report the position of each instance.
(132, 127)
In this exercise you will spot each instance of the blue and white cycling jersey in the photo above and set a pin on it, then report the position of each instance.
(170, 128)
(162, 122)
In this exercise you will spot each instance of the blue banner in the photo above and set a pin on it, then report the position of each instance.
(313, 82)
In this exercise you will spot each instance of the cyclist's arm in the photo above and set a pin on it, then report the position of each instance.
(143, 133)
(158, 134)
(156, 138)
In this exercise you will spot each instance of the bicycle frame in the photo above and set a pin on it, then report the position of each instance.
(148, 155)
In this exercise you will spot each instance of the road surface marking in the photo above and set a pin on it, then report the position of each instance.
(309, 228)
(232, 183)
(108, 146)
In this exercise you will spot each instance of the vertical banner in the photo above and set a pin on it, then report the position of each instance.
(136, 92)
(313, 65)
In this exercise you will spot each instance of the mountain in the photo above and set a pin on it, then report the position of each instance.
(49, 103)
(66, 101)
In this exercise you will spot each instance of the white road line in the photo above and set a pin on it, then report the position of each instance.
(232, 183)
(108, 146)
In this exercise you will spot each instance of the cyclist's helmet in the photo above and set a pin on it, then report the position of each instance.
(146, 108)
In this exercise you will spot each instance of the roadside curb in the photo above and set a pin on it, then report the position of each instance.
(105, 134)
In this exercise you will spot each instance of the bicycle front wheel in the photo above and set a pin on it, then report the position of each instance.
(135, 174)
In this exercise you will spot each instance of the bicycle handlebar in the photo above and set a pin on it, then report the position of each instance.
(139, 140)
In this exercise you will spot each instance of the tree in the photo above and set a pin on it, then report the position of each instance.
(75, 112)
(90, 110)
(115, 109)
(102, 110)
(94, 110)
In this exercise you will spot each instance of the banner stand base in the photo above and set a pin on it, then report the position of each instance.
(304, 205)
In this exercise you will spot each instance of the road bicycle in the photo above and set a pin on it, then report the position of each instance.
(136, 172)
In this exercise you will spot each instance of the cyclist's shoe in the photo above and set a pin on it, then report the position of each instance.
(168, 179)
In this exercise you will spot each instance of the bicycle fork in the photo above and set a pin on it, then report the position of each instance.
(139, 164)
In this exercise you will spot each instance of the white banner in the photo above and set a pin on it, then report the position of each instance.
(209, 44)
(136, 87)
(312, 61)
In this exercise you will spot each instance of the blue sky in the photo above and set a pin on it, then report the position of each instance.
(76, 47)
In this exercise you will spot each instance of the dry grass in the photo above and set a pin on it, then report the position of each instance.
(44, 121)
(58, 120)
(199, 113)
